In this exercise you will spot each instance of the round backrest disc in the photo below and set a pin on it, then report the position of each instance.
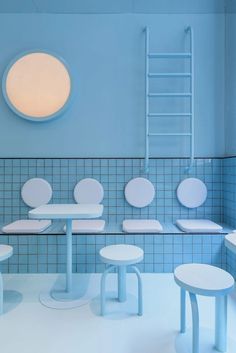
(88, 190)
(192, 192)
(36, 192)
(139, 192)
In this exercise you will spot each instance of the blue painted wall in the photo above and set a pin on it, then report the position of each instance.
(230, 86)
(114, 6)
(106, 56)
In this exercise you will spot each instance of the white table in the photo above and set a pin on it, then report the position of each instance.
(67, 298)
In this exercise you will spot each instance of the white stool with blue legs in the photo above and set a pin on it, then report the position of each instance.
(206, 280)
(120, 257)
(5, 252)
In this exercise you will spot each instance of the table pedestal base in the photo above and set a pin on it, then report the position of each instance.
(81, 293)
(51, 300)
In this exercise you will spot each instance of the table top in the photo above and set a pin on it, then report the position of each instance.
(204, 279)
(66, 211)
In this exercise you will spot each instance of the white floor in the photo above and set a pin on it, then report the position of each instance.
(28, 327)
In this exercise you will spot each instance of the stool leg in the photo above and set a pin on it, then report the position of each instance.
(122, 283)
(195, 319)
(182, 310)
(140, 291)
(221, 323)
(1, 294)
(103, 289)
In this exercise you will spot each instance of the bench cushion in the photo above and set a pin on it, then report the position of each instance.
(87, 226)
(142, 226)
(27, 226)
(198, 225)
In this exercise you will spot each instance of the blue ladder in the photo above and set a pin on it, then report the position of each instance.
(185, 55)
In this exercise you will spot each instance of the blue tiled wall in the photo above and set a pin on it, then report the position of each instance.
(162, 252)
(229, 204)
(46, 253)
(229, 191)
(231, 263)
(63, 174)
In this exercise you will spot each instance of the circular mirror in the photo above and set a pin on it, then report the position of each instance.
(37, 85)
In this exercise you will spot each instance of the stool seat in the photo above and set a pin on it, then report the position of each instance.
(5, 252)
(204, 279)
(121, 255)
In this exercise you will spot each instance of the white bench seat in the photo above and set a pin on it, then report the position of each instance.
(35, 192)
(87, 226)
(142, 226)
(198, 225)
(27, 226)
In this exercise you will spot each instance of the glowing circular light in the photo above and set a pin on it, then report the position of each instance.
(37, 86)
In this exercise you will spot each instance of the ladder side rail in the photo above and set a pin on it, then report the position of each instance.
(192, 96)
(146, 167)
(192, 100)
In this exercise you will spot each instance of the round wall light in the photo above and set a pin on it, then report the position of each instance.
(37, 85)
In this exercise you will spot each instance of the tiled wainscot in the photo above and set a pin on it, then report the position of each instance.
(163, 252)
(47, 253)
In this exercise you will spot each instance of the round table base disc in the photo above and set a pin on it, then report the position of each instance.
(47, 300)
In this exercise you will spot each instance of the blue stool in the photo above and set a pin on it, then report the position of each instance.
(5, 252)
(119, 257)
(208, 281)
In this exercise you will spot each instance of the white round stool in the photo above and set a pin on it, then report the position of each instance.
(5, 252)
(209, 281)
(120, 256)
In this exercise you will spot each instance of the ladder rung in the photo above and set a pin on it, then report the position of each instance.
(157, 115)
(169, 74)
(169, 134)
(169, 55)
(169, 95)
